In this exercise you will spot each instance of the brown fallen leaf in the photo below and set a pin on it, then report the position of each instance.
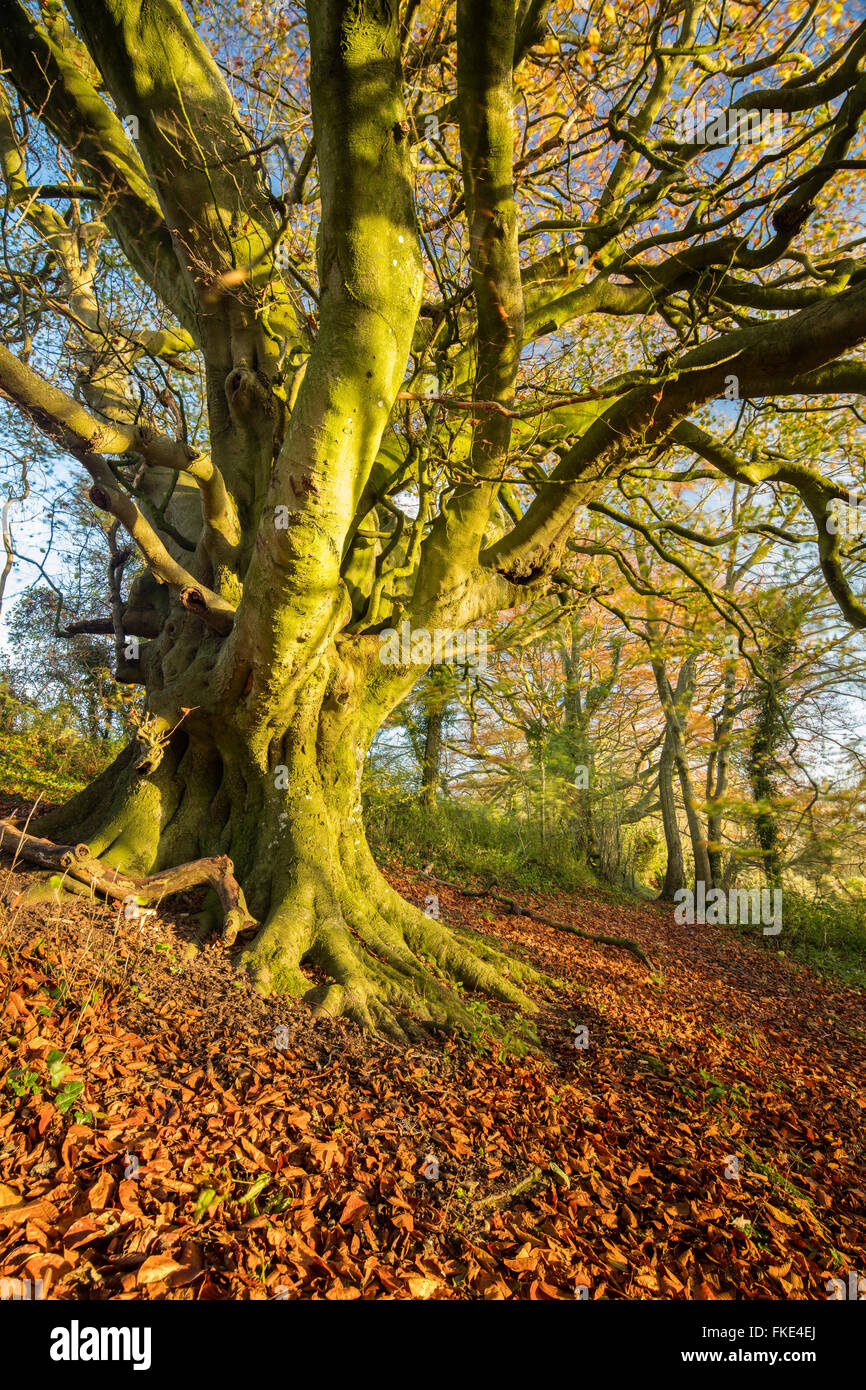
(356, 1209)
(165, 1269)
(99, 1194)
(782, 1216)
(127, 1193)
(28, 1211)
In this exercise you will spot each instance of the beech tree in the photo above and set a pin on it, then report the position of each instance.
(276, 542)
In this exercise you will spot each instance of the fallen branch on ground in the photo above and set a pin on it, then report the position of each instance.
(625, 943)
(77, 863)
(498, 1199)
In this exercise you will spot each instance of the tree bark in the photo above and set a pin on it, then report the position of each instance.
(288, 818)
(674, 702)
(431, 771)
(697, 833)
(674, 870)
(716, 789)
(265, 589)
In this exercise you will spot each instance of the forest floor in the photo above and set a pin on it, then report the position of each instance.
(167, 1133)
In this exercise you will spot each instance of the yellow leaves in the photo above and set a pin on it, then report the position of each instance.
(422, 1288)
(525, 1261)
(781, 1216)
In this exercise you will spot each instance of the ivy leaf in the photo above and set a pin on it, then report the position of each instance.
(57, 1068)
(70, 1093)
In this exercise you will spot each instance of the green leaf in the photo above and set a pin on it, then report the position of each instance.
(23, 1083)
(258, 1186)
(57, 1068)
(70, 1093)
(207, 1198)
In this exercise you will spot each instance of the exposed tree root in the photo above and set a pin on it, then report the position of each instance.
(387, 966)
(78, 864)
(625, 943)
(390, 967)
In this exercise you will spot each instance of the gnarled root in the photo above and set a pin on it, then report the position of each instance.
(389, 967)
(379, 961)
(77, 863)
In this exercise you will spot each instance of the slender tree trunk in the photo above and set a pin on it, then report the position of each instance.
(673, 704)
(761, 769)
(768, 736)
(697, 833)
(716, 791)
(675, 870)
(431, 772)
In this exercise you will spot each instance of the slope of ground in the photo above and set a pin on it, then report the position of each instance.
(689, 1132)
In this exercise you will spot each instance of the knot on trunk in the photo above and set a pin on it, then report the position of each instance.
(100, 498)
(303, 484)
(194, 601)
(246, 392)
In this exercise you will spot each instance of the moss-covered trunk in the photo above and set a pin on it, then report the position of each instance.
(286, 808)
(267, 581)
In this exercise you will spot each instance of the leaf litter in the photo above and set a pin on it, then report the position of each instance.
(694, 1132)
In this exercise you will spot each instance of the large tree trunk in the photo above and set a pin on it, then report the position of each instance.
(288, 813)
(274, 546)
(260, 613)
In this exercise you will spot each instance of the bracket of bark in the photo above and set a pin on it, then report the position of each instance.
(77, 862)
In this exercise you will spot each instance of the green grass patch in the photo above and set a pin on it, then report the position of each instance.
(40, 752)
(466, 840)
(826, 933)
